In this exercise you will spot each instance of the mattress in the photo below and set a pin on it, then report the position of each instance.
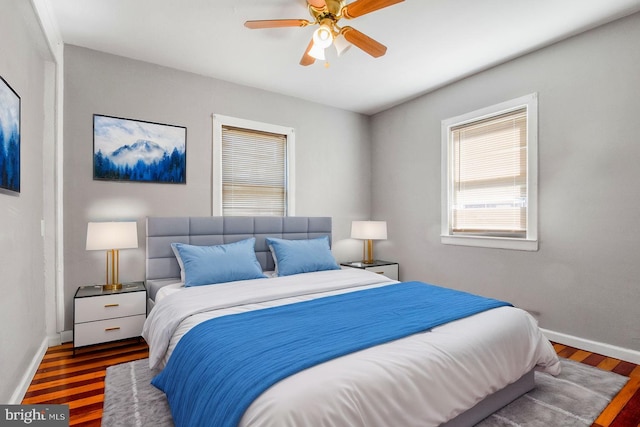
(155, 285)
(424, 379)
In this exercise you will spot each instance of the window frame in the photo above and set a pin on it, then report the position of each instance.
(530, 241)
(219, 121)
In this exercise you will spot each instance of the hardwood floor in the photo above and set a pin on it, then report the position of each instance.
(79, 381)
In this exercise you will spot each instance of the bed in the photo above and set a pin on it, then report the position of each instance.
(454, 374)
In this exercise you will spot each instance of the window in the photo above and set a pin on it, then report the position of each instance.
(489, 182)
(252, 168)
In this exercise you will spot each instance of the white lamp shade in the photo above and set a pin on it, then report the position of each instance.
(317, 52)
(341, 44)
(322, 37)
(369, 230)
(112, 235)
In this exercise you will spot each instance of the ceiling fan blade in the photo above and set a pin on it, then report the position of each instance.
(306, 58)
(276, 23)
(364, 42)
(362, 7)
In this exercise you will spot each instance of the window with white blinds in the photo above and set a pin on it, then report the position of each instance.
(490, 192)
(254, 168)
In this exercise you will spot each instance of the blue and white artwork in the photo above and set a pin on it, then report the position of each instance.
(134, 150)
(9, 139)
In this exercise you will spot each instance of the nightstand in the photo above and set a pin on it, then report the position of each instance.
(386, 268)
(101, 316)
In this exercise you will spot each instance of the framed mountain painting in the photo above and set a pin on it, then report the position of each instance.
(9, 139)
(139, 151)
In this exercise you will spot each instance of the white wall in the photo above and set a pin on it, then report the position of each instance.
(333, 156)
(22, 276)
(584, 280)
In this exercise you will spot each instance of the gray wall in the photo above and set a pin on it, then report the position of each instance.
(333, 154)
(584, 280)
(22, 305)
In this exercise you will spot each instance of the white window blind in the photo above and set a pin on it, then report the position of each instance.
(254, 172)
(490, 176)
(489, 194)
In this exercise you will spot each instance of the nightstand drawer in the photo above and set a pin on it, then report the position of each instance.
(109, 306)
(107, 330)
(390, 271)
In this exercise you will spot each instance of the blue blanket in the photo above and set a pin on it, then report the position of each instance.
(222, 365)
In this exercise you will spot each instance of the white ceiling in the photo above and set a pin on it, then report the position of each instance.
(430, 42)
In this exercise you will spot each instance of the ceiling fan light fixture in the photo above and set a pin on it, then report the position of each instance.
(323, 37)
(341, 44)
(317, 52)
(327, 14)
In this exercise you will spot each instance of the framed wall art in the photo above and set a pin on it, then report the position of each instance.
(9, 139)
(139, 151)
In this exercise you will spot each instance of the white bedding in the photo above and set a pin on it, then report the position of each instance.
(168, 290)
(424, 379)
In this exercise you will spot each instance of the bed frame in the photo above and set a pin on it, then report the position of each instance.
(162, 269)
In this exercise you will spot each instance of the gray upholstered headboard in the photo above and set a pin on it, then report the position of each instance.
(161, 232)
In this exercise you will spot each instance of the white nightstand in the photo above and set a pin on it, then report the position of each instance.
(101, 316)
(386, 268)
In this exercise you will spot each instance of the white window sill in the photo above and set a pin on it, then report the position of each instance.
(491, 242)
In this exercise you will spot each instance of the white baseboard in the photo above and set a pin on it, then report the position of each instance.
(54, 340)
(609, 350)
(25, 382)
(66, 336)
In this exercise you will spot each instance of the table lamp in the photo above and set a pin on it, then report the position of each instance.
(111, 237)
(369, 231)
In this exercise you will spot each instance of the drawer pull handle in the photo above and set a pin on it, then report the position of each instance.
(380, 272)
(112, 329)
(111, 305)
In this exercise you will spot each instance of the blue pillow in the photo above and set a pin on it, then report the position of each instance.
(205, 265)
(301, 256)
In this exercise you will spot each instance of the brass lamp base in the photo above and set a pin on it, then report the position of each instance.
(113, 264)
(367, 252)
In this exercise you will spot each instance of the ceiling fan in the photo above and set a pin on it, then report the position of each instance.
(326, 14)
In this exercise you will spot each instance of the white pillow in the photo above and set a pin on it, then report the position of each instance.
(176, 252)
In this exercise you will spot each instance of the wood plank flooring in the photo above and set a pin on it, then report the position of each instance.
(79, 381)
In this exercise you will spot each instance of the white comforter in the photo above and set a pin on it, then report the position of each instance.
(424, 379)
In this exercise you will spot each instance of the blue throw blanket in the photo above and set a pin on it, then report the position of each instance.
(222, 365)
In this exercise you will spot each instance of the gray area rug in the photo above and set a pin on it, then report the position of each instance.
(574, 398)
